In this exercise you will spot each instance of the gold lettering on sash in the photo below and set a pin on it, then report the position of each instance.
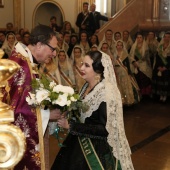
(83, 139)
(85, 143)
(86, 146)
(87, 152)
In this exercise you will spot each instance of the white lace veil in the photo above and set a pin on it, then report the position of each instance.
(115, 125)
(107, 91)
(144, 47)
(72, 53)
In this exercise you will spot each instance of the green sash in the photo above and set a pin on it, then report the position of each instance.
(137, 54)
(90, 154)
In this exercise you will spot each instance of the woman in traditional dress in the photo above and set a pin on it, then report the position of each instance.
(127, 40)
(152, 45)
(104, 47)
(77, 59)
(127, 85)
(61, 43)
(99, 137)
(9, 43)
(109, 39)
(83, 41)
(65, 69)
(73, 42)
(94, 40)
(94, 48)
(117, 36)
(161, 71)
(140, 64)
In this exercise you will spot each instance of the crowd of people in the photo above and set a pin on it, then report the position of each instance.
(137, 62)
(106, 73)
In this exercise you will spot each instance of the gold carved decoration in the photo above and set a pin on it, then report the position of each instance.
(12, 139)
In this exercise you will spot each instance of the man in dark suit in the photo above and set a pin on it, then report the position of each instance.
(97, 17)
(85, 20)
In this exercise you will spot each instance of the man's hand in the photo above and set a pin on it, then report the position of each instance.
(55, 114)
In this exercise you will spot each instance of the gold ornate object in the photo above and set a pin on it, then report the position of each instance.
(12, 145)
(7, 69)
(12, 140)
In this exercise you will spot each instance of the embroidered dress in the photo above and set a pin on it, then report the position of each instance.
(77, 63)
(65, 70)
(143, 73)
(152, 45)
(126, 82)
(161, 80)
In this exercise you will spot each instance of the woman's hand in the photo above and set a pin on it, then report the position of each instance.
(63, 122)
(55, 114)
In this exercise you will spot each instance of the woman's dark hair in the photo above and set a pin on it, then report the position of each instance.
(97, 39)
(77, 48)
(139, 33)
(53, 17)
(74, 35)
(96, 56)
(26, 33)
(167, 32)
(41, 33)
(83, 32)
(117, 33)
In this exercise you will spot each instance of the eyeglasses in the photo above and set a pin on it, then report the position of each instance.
(52, 48)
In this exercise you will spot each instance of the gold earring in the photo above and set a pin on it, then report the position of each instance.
(97, 78)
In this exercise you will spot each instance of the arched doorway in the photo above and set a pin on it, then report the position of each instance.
(44, 11)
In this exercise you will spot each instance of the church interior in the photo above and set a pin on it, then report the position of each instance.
(146, 123)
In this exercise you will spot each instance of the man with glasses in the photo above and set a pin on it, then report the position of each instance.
(42, 47)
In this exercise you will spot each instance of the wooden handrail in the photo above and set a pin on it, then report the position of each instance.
(118, 13)
(124, 19)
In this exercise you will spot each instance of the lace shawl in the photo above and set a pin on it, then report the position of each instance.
(115, 125)
(93, 100)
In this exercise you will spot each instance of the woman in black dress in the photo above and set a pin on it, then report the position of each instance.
(98, 141)
(161, 71)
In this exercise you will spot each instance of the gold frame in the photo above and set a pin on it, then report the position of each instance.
(1, 3)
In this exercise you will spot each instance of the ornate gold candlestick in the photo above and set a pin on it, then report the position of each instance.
(12, 140)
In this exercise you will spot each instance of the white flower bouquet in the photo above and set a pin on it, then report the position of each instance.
(47, 93)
